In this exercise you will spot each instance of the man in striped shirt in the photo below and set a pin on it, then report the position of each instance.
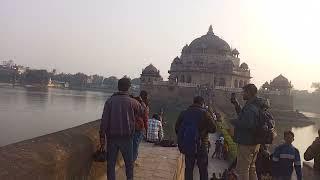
(155, 130)
(284, 158)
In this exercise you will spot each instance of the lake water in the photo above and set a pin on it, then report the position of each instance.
(25, 114)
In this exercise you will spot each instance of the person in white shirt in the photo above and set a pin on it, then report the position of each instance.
(155, 129)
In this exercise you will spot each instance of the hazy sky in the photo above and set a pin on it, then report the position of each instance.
(118, 37)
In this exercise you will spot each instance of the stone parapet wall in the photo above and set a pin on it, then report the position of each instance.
(62, 155)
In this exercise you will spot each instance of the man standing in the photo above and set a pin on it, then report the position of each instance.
(118, 126)
(192, 128)
(244, 128)
(313, 152)
(284, 157)
(141, 125)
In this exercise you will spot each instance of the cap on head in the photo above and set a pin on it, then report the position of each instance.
(124, 84)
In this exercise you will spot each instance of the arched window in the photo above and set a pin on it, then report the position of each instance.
(222, 82)
(189, 79)
(149, 79)
(182, 78)
(236, 83)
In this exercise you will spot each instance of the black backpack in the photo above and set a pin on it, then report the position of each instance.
(265, 131)
(189, 140)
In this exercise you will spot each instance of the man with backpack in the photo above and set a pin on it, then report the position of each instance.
(192, 128)
(118, 126)
(252, 118)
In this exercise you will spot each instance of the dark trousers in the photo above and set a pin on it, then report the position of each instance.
(124, 145)
(137, 138)
(202, 161)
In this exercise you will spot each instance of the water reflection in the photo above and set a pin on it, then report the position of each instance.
(30, 113)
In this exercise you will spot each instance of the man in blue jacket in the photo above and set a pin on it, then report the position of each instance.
(284, 158)
(244, 129)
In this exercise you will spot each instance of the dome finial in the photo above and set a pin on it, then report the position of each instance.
(210, 31)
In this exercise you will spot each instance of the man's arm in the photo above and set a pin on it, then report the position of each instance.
(275, 161)
(237, 106)
(160, 131)
(210, 125)
(104, 122)
(179, 121)
(297, 164)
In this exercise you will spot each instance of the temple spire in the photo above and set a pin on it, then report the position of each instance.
(210, 31)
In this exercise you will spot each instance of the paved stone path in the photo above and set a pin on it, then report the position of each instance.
(215, 165)
(156, 163)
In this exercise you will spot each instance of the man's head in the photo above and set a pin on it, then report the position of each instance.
(198, 100)
(144, 95)
(249, 91)
(156, 116)
(124, 84)
(288, 137)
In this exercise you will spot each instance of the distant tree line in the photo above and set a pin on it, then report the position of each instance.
(316, 86)
(9, 73)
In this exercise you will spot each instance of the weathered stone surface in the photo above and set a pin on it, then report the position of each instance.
(157, 163)
(62, 155)
(67, 155)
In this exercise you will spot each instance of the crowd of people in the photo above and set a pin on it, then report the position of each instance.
(125, 123)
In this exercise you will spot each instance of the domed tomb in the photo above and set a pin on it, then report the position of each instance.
(208, 43)
(244, 66)
(150, 74)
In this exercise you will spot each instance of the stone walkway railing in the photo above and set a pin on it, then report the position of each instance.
(67, 155)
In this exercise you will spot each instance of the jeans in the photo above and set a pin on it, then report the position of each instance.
(246, 162)
(202, 161)
(124, 144)
(137, 138)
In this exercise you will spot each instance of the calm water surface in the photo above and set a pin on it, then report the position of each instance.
(304, 136)
(25, 114)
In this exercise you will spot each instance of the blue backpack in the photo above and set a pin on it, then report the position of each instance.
(189, 140)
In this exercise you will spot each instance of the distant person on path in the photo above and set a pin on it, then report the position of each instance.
(217, 150)
(244, 128)
(141, 125)
(155, 130)
(117, 128)
(192, 128)
(313, 152)
(284, 158)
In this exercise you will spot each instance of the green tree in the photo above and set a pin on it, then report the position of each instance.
(36, 77)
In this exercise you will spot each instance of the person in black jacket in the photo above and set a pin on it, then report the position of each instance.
(197, 112)
(313, 152)
(263, 162)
